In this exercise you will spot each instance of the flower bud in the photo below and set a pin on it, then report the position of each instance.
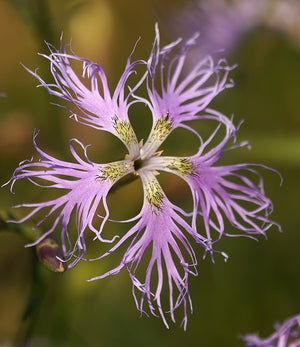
(51, 255)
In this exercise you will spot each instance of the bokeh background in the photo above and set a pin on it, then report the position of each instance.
(260, 283)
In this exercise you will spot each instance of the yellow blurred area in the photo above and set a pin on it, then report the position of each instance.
(92, 30)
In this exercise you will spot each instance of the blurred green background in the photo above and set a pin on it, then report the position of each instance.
(260, 283)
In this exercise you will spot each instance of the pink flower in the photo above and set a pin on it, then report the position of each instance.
(162, 229)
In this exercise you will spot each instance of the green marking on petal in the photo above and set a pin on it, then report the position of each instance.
(115, 171)
(154, 194)
(161, 130)
(182, 166)
(124, 131)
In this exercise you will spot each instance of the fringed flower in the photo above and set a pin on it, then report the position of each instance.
(161, 238)
(287, 334)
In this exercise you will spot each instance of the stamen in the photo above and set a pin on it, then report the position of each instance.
(158, 154)
(141, 143)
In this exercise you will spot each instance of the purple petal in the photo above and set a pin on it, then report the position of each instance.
(222, 192)
(99, 107)
(84, 184)
(286, 334)
(177, 96)
(161, 231)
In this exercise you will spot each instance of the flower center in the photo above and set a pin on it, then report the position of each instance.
(140, 163)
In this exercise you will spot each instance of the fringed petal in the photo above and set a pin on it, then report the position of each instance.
(161, 231)
(176, 96)
(287, 334)
(90, 93)
(85, 185)
(234, 193)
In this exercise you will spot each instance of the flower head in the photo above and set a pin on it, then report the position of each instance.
(162, 230)
(287, 334)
